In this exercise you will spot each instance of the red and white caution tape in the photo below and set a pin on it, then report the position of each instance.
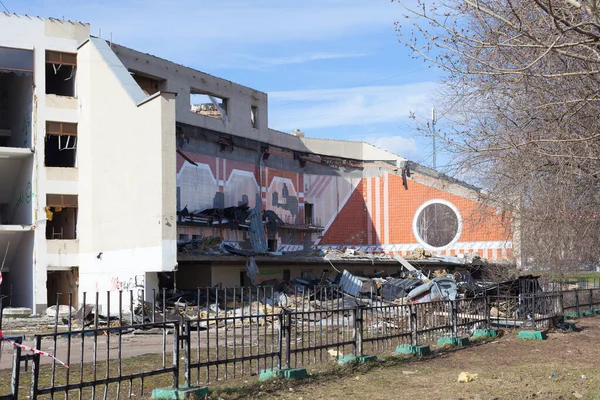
(31, 350)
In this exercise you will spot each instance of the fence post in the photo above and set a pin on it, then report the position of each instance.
(415, 325)
(16, 369)
(454, 316)
(35, 369)
(176, 355)
(288, 339)
(590, 305)
(577, 301)
(487, 312)
(533, 311)
(561, 304)
(358, 331)
(188, 351)
(281, 318)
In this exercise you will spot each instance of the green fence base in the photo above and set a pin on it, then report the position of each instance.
(532, 335)
(575, 315)
(410, 349)
(286, 373)
(485, 333)
(450, 341)
(182, 393)
(589, 312)
(359, 359)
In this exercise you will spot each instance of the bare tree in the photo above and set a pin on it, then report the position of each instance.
(523, 92)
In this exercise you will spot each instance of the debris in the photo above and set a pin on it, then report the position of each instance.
(553, 376)
(334, 353)
(16, 312)
(436, 289)
(252, 270)
(396, 288)
(63, 311)
(409, 372)
(465, 377)
(578, 395)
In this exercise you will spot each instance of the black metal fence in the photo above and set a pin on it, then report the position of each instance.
(226, 333)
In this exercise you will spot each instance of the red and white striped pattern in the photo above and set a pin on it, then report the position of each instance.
(31, 350)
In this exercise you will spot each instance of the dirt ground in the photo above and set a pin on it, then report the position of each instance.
(565, 366)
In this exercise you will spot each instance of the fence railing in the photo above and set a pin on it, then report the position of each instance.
(219, 334)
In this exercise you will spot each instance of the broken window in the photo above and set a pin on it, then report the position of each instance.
(61, 144)
(437, 224)
(254, 116)
(308, 213)
(148, 84)
(183, 237)
(272, 244)
(208, 105)
(18, 60)
(60, 73)
(61, 214)
(307, 274)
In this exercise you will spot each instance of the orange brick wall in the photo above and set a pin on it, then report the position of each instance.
(480, 223)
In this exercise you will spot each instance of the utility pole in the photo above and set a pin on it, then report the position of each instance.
(433, 121)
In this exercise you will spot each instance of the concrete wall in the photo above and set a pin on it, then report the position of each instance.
(127, 201)
(39, 35)
(21, 205)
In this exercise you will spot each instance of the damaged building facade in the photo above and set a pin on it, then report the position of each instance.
(124, 171)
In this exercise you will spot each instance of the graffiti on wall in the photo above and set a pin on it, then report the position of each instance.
(131, 283)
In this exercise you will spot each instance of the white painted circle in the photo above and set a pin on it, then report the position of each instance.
(416, 230)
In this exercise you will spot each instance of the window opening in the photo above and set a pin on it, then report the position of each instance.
(308, 213)
(148, 84)
(60, 73)
(437, 224)
(208, 105)
(61, 144)
(61, 214)
(254, 116)
(272, 244)
(306, 274)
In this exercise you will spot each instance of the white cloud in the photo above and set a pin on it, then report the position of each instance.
(210, 23)
(261, 62)
(361, 106)
(399, 145)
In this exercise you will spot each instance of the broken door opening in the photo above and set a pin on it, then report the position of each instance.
(61, 144)
(61, 283)
(61, 212)
(60, 73)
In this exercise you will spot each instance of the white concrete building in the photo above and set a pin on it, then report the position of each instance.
(87, 199)
(104, 150)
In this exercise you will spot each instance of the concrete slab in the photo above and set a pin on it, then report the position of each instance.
(359, 359)
(533, 335)
(286, 373)
(182, 393)
(488, 333)
(411, 349)
(450, 341)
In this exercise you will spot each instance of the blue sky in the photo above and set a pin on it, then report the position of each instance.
(332, 68)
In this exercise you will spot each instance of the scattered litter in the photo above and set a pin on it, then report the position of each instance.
(583, 377)
(409, 372)
(465, 377)
(578, 395)
(553, 376)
